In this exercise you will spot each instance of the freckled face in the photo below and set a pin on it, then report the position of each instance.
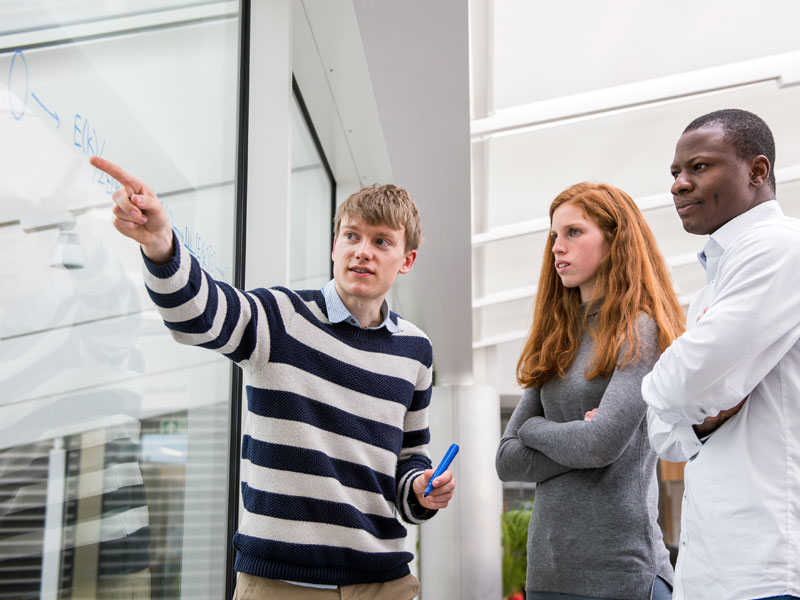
(578, 247)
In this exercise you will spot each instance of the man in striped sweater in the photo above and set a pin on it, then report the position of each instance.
(334, 446)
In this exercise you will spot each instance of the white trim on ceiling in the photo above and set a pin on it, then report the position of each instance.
(784, 175)
(782, 70)
(529, 291)
(521, 334)
(115, 24)
(329, 63)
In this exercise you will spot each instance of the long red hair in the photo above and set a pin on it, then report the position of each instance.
(632, 279)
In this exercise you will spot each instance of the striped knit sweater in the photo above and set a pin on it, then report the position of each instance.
(336, 427)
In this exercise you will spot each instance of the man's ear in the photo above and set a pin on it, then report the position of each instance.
(759, 170)
(408, 262)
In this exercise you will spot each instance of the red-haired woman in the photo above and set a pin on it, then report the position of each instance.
(605, 310)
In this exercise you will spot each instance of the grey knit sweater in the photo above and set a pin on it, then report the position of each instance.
(593, 531)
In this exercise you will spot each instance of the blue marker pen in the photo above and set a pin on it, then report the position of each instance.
(448, 458)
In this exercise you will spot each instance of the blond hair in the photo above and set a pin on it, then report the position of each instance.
(383, 205)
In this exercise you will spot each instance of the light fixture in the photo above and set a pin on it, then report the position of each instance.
(68, 253)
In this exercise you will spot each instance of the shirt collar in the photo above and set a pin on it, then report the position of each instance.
(725, 235)
(337, 311)
(722, 238)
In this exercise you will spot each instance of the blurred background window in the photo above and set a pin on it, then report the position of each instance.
(312, 204)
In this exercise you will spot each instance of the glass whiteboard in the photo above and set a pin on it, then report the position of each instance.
(113, 439)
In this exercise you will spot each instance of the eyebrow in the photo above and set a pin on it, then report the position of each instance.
(705, 155)
(570, 226)
(379, 233)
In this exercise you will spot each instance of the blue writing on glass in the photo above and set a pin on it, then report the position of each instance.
(85, 138)
(24, 74)
(203, 251)
(76, 130)
(47, 110)
(19, 54)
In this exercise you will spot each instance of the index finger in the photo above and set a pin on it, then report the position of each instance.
(129, 182)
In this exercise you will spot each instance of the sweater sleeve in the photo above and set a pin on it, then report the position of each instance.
(515, 460)
(414, 457)
(200, 311)
(599, 442)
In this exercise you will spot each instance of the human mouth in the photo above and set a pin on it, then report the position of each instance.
(684, 207)
(561, 265)
(360, 271)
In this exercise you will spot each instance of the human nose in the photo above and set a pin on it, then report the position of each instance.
(363, 250)
(681, 184)
(558, 247)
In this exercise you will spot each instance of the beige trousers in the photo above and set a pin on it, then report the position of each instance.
(259, 588)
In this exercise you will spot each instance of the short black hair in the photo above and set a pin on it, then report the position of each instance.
(747, 133)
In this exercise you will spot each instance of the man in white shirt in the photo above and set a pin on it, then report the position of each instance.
(726, 394)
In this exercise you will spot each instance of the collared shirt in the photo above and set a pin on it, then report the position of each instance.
(740, 519)
(337, 311)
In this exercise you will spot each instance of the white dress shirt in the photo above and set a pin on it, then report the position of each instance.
(740, 520)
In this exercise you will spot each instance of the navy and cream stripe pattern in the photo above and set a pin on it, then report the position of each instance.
(336, 427)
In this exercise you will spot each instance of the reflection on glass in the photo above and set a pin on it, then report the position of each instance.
(113, 440)
(106, 526)
(311, 212)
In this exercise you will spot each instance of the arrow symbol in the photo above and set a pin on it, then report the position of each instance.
(52, 114)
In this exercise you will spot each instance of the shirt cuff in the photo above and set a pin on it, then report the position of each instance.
(417, 510)
(168, 269)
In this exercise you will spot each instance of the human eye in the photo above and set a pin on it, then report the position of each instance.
(383, 242)
(573, 231)
(698, 166)
(674, 173)
(349, 235)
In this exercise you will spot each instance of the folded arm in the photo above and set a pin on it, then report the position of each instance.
(675, 442)
(737, 341)
(588, 444)
(516, 461)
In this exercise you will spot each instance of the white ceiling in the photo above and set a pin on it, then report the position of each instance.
(550, 49)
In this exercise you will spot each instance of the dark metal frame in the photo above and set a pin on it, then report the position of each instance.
(309, 123)
(234, 445)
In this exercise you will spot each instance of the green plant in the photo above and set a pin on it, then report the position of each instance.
(514, 535)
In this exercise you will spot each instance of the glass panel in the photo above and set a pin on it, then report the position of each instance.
(312, 193)
(113, 438)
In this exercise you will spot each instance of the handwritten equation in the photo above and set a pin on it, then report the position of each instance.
(87, 141)
(84, 135)
(202, 250)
